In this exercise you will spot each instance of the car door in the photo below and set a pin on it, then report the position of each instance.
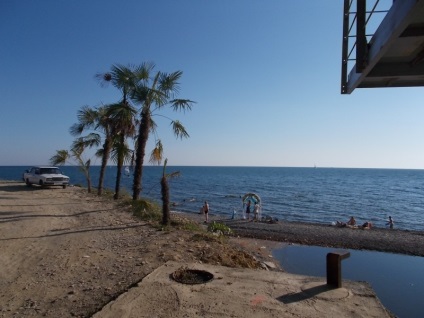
(33, 175)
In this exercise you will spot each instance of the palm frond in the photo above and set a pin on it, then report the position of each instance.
(169, 83)
(153, 125)
(78, 146)
(87, 115)
(181, 104)
(173, 175)
(140, 94)
(60, 158)
(92, 139)
(179, 129)
(122, 119)
(122, 152)
(76, 129)
(142, 72)
(122, 76)
(99, 153)
(157, 153)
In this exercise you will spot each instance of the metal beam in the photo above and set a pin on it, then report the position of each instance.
(345, 46)
(396, 70)
(361, 39)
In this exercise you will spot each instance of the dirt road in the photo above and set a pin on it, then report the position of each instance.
(65, 253)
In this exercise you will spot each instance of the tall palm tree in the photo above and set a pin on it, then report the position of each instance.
(125, 79)
(123, 123)
(154, 93)
(96, 119)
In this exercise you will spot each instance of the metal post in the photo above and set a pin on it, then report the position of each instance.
(361, 39)
(345, 45)
(334, 268)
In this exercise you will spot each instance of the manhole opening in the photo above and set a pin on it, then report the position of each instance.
(191, 276)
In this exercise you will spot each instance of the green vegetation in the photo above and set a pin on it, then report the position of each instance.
(146, 210)
(219, 228)
(151, 211)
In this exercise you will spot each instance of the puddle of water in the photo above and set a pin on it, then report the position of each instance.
(397, 279)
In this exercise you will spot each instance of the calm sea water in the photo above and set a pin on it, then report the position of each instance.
(320, 195)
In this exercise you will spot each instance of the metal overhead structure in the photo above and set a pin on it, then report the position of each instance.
(382, 48)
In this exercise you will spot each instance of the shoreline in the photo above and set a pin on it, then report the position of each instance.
(314, 234)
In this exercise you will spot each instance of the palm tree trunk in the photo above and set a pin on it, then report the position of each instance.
(143, 136)
(166, 215)
(88, 180)
(119, 170)
(88, 185)
(118, 180)
(105, 158)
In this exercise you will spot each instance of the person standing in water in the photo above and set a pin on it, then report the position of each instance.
(256, 212)
(248, 210)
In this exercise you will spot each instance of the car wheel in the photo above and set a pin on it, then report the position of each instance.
(41, 183)
(27, 183)
(64, 186)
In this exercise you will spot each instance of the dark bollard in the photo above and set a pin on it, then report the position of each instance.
(334, 268)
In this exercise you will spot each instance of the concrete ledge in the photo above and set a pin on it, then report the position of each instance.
(243, 293)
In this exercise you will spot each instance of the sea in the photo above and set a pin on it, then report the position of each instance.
(312, 195)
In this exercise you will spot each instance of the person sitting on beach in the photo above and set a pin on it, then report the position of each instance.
(341, 224)
(390, 223)
(367, 225)
(352, 221)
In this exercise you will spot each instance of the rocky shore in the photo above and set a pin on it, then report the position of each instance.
(374, 239)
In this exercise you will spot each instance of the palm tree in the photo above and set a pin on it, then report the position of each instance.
(154, 94)
(96, 119)
(166, 215)
(125, 79)
(77, 149)
(122, 117)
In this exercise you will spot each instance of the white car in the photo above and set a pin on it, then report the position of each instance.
(45, 176)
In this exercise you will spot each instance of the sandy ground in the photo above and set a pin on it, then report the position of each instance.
(65, 253)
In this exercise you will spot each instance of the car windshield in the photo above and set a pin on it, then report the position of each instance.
(49, 171)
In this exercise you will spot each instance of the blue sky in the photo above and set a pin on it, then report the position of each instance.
(265, 76)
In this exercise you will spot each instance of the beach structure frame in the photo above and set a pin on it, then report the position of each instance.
(382, 47)
(253, 198)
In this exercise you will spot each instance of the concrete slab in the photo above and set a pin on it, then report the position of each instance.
(236, 292)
